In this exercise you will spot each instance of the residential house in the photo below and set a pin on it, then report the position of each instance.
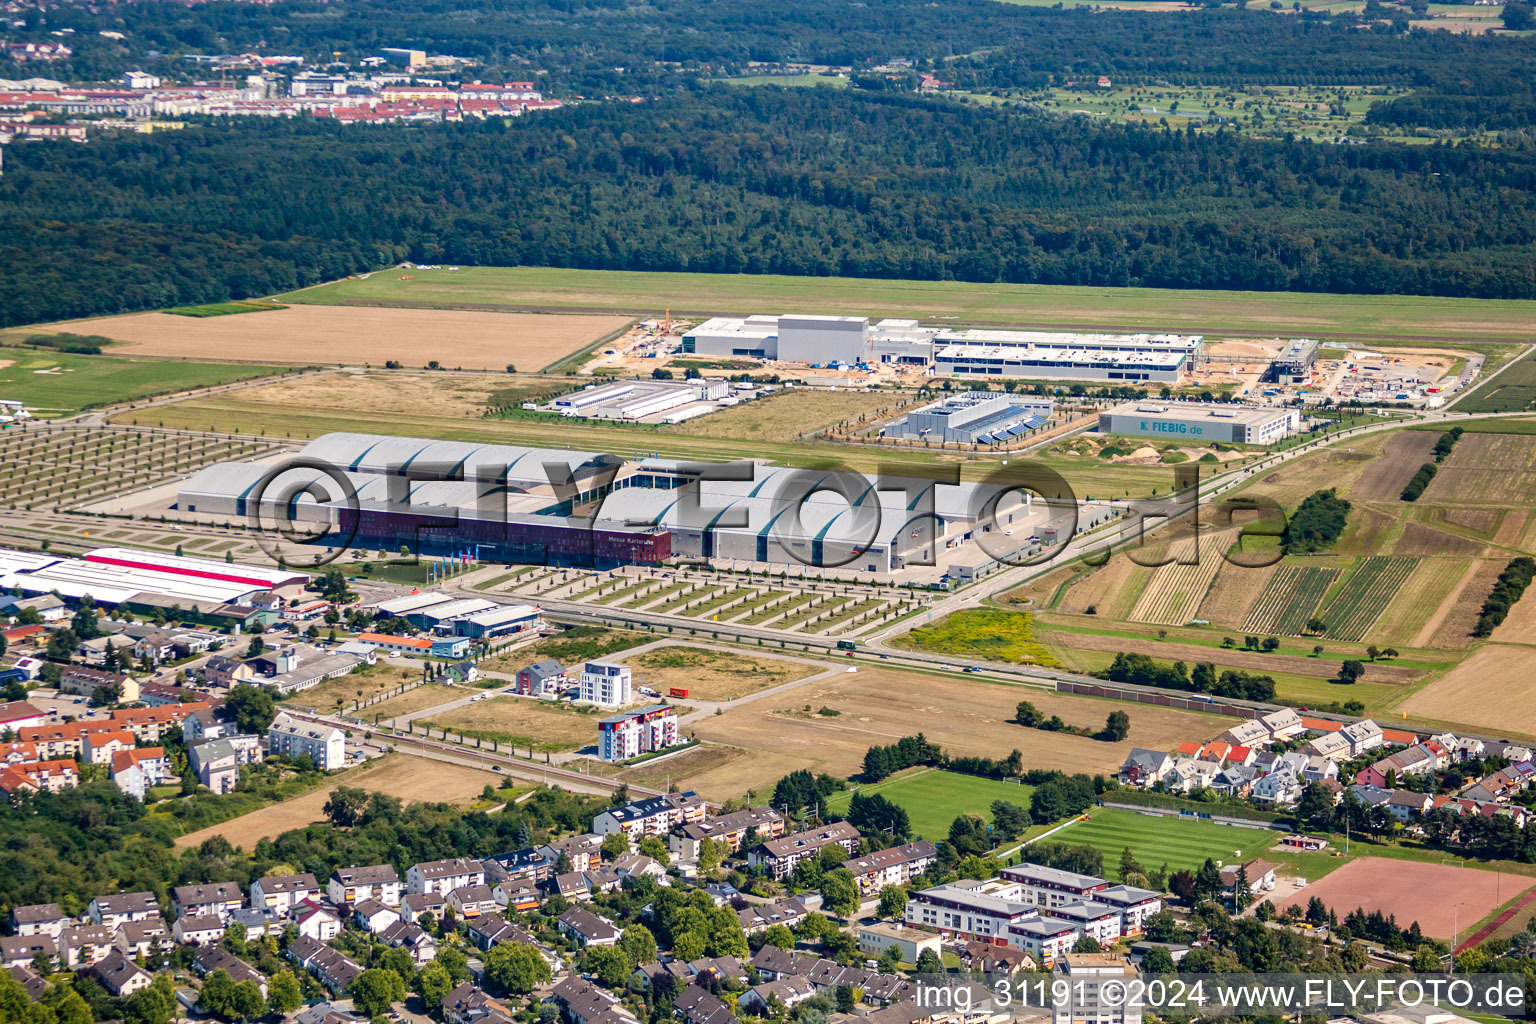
(653, 816)
(114, 910)
(217, 762)
(1136, 905)
(1282, 787)
(542, 679)
(731, 829)
(517, 894)
(758, 917)
(779, 856)
(491, 929)
(316, 920)
(470, 901)
(444, 876)
(1283, 724)
(413, 938)
(216, 958)
(40, 776)
(584, 1003)
(38, 919)
(1144, 768)
(1259, 874)
(334, 968)
(218, 898)
(1362, 736)
(469, 1004)
(98, 747)
(413, 905)
(283, 892)
(1332, 745)
(197, 931)
(119, 975)
(786, 992)
(138, 770)
(372, 916)
(140, 938)
(101, 687)
(20, 950)
(585, 928)
(81, 944)
(583, 851)
(204, 725)
(695, 1005)
(374, 882)
(1404, 804)
(638, 865)
(1251, 733)
(895, 866)
(322, 744)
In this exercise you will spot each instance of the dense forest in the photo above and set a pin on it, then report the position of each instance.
(807, 182)
(621, 47)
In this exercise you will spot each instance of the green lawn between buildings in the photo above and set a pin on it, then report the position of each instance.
(933, 798)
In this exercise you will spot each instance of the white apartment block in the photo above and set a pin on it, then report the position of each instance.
(441, 877)
(1085, 974)
(347, 886)
(327, 747)
(606, 684)
(283, 892)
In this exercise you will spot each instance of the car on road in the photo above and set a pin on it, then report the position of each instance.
(971, 668)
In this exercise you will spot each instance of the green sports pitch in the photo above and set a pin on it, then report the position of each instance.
(1155, 841)
(933, 799)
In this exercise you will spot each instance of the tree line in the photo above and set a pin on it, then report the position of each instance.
(797, 182)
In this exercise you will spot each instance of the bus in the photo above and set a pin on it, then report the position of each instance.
(846, 645)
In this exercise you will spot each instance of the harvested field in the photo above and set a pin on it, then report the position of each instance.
(1494, 469)
(1420, 540)
(405, 393)
(1387, 475)
(1233, 593)
(1251, 661)
(1175, 591)
(524, 722)
(1290, 599)
(966, 716)
(1519, 626)
(787, 415)
(1451, 625)
(1418, 598)
(1411, 891)
(712, 675)
(1486, 690)
(1512, 528)
(1111, 590)
(356, 335)
(1365, 595)
(1478, 520)
(412, 779)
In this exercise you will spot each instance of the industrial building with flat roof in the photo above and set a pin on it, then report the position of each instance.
(852, 340)
(973, 417)
(1201, 421)
(1294, 362)
(637, 399)
(501, 508)
(117, 576)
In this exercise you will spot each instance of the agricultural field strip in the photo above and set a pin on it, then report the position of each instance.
(1365, 595)
(1174, 592)
(1290, 599)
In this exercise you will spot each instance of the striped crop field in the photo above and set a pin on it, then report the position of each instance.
(1174, 592)
(1290, 599)
(1365, 595)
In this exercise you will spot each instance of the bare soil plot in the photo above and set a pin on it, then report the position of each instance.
(1512, 529)
(356, 685)
(412, 779)
(712, 675)
(1233, 592)
(966, 716)
(1451, 625)
(1412, 891)
(1418, 539)
(1495, 469)
(1386, 476)
(358, 334)
(1478, 520)
(786, 415)
(1487, 690)
(524, 722)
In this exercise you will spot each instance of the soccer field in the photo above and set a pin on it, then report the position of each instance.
(934, 799)
(1155, 841)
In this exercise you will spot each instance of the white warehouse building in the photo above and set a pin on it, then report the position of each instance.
(1201, 421)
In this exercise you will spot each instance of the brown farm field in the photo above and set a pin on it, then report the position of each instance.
(1494, 469)
(778, 734)
(1385, 478)
(355, 335)
(1487, 690)
(711, 674)
(412, 779)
